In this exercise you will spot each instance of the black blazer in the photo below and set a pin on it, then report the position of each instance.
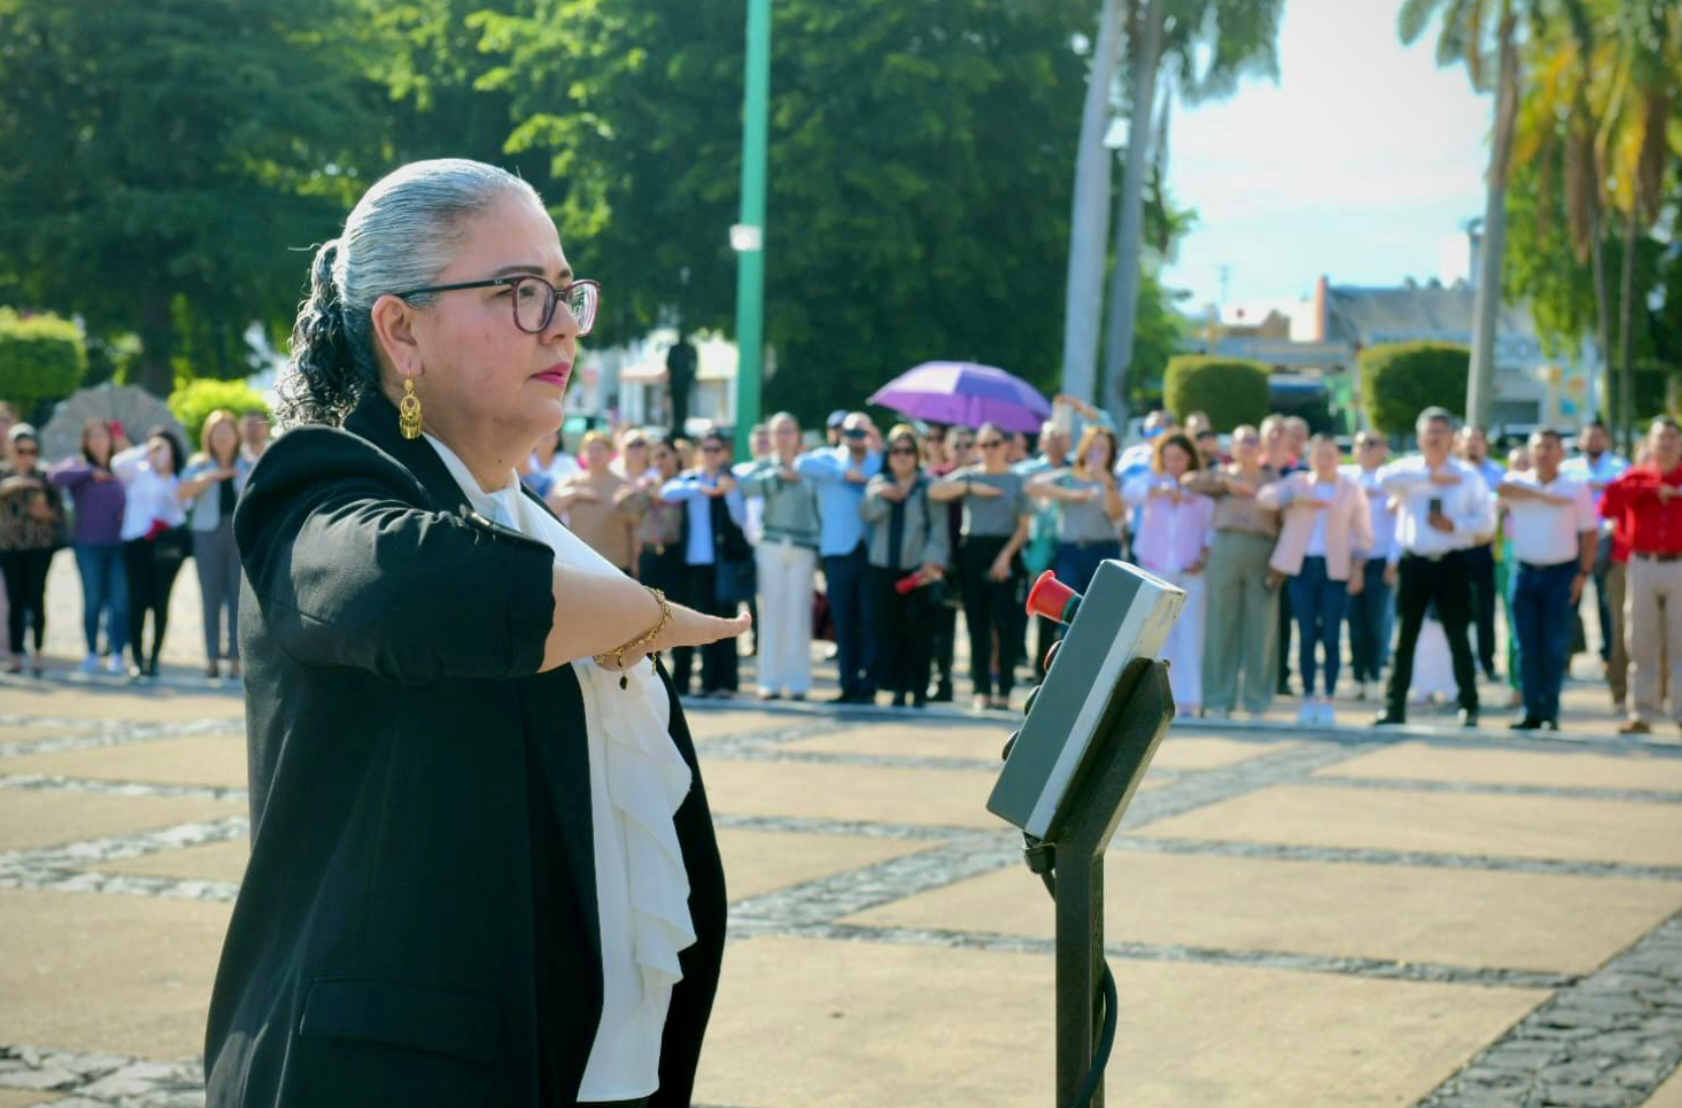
(418, 923)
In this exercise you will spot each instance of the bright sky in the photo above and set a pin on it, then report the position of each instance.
(1356, 164)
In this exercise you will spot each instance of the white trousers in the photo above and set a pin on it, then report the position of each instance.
(1183, 651)
(786, 577)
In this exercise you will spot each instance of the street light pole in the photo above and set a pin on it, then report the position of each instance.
(748, 236)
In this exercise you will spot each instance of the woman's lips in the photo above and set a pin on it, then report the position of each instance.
(556, 375)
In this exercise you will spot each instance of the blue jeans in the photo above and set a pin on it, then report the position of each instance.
(1318, 603)
(847, 578)
(1076, 562)
(1542, 613)
(104, 589)
(1371, 617)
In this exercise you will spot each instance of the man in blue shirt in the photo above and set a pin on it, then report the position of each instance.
(839, 474)
(713, 504)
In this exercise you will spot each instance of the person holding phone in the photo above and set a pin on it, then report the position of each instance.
(1443, 505)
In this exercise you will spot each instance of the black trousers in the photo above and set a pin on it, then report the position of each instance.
(1446, 583)
(990, 609)
(26, 594)
(1480, 565)
(718, 659)
(904, 631)
(152, 568)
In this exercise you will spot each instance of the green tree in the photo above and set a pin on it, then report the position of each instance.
(1231, 391)
(913, 148)
(42, 359)
(193, 402)
(161, 162)
(1399, 380)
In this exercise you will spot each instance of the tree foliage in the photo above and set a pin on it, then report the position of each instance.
(42, 358)
(193, 402)
(1401, 379)
(1232, 391)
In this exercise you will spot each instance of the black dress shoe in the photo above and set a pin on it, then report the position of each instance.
(844, 698)
(1468, 717)
(942, 693)
(1390, 718)
(1528, 723)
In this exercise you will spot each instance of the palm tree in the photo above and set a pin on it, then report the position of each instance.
(1089, 221)
(1213, 43)
(1466, 25)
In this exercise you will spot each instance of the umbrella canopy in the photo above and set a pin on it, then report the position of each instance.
(138, 409)
(966, 395)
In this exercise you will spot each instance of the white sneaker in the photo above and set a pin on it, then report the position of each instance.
(1309, 716)
(90, 664)
(114, 664)
(1328, 714)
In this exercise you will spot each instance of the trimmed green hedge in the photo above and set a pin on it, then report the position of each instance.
(1401, 379)
(42, 358)
(193, 402)
(1232, 391)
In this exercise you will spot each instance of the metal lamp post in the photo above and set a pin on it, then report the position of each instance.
(747, 238)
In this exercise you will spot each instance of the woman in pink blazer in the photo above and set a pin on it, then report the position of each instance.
(1325, 525)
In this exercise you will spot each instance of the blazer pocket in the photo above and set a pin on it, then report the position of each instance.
(396, 1013)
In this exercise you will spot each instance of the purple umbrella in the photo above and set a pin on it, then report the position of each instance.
(966, 395)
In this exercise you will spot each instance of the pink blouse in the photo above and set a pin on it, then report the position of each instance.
(1171, 535)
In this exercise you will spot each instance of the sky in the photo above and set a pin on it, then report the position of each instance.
(1356, 164)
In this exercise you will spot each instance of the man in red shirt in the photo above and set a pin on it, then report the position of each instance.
(1647, 502)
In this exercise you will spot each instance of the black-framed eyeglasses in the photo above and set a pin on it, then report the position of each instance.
(990, 444)
(534, 300)
(911, 450)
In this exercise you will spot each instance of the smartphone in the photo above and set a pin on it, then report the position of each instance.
(1436, 505)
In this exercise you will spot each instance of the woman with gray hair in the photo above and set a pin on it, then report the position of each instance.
(482, 867)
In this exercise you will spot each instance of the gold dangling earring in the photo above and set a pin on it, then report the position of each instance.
(409, 411)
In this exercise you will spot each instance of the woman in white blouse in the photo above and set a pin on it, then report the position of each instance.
(155, 540)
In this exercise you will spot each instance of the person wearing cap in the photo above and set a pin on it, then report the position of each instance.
(832, 426)
(840, 475)
(31, 515)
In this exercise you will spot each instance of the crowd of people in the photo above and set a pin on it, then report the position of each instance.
(132, 513)
(876, 540)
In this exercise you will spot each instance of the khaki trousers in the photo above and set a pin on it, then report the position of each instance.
(1242, 623)
(1653, 633)
(1617, 667)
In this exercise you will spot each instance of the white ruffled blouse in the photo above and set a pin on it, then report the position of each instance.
(637, 782)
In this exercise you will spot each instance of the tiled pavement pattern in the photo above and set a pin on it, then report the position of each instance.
(1329, 918)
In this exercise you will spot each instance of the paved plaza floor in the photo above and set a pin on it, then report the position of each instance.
(1334, 917)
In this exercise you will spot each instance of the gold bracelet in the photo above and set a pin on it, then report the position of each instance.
(618, 654)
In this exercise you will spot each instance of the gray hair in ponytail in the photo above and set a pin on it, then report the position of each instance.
(401, 235)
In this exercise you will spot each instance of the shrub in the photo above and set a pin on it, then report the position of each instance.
(193, 402)
(1232, 391)
(1658, 391)
(42, 358)
(1401, 379)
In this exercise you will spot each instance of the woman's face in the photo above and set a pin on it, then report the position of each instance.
(902, 456)
(161, 457)
(1100, 455)
(1175, 461)
(1325, 459)
(596, 456)
(476, 373)
(664, 458)
(1246, 447)
(224, 440)
(99, 442)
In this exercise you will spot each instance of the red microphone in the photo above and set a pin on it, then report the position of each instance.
(1053, 599)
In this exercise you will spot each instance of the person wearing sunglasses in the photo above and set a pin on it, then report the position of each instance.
(31, 522)
(1238, 650)
(908, 555)
(839, 475)
(717, 560)
(482, 867)
(996, 516)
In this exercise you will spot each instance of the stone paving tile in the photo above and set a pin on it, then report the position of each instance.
(1635, 769)
(221, 862)
(1402, 913)
(952, 798)
(23, 1098)
(129, 975)
(759, 862)
(880, 1025)
(115, 701)
(30, 819)
(1537, 827)
(194, 759)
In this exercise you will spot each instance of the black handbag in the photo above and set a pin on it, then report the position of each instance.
(735, 576)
